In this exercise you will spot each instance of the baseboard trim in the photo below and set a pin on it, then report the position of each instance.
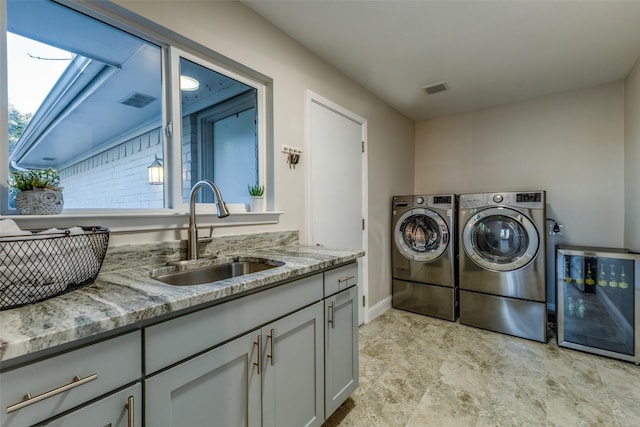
(379, 308)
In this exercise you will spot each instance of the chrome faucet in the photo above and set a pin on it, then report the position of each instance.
(192, 243)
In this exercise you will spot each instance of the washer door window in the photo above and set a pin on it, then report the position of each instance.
(500, 239)
(421, 235)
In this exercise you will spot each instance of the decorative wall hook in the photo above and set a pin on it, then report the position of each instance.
(293, 155)
(290, 150)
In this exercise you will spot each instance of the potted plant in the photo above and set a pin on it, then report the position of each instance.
(257, 197)
(38, 191)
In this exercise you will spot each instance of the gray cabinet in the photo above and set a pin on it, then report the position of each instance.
(292, 388)
(341, 278)
(67, 380)
(120, 409)
(218, 388)
(341, 347)
(271, 376)
(201, 330)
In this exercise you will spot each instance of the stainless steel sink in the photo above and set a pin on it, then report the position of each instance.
(215, 273)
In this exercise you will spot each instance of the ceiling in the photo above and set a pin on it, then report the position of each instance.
(488, 52)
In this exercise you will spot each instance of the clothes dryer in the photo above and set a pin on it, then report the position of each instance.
(503, 263)
(424, 256)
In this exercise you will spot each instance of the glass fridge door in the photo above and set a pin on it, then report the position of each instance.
(596, 301)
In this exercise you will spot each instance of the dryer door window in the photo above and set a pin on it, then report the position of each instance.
(421, 235)
(500, 239)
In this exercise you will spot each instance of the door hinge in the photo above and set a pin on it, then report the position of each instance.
(363, 146)
(364, 301)
(363, 223)
(168, 130)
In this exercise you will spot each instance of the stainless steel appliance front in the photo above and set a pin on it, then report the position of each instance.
(599, 301)
(503, 255)
(424, 255)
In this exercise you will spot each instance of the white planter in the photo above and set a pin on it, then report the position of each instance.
(39, 201)
(257, 204)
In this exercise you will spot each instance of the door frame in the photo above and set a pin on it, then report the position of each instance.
(312, 98)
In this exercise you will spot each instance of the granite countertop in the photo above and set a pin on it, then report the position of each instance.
(126, 298)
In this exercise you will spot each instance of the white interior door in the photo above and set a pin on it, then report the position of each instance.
(337, 182)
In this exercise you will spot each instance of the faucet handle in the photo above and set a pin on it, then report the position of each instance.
(207, 239)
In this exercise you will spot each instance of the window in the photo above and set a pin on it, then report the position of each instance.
(99, 122)
(102, 117)
(219, 133)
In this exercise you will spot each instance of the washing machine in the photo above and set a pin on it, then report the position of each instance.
(502, 263)
(424, 256)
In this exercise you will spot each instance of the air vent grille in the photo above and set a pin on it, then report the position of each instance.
(138, 100)
(436, 87)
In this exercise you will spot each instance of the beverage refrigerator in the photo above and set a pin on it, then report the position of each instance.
(598, 301)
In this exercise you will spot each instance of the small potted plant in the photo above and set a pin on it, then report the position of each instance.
(38, 191)
(257, 197)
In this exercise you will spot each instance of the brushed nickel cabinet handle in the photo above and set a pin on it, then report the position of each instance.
(332, 315)
(272, 336)
(258, 342)
(30, 400)
(346, 278)
(130, 409)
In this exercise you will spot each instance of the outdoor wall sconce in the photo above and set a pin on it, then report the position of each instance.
(156, 172)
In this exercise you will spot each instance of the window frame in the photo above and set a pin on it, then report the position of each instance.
(175, 213)
(175, 53)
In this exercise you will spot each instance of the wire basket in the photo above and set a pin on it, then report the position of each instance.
(34, 268)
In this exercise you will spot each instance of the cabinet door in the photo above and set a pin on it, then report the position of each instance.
(292, 393)
(121, 409)
(341, 347)
(218, 388)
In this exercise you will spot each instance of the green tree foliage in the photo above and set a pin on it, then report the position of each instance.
(17, 123)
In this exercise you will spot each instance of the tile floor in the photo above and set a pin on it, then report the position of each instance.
(421, 371)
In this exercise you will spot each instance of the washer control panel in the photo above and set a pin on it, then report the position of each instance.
(530, 199)
(442, 201)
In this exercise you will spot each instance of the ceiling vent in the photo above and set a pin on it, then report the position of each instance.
(138, 100)
(436, 87)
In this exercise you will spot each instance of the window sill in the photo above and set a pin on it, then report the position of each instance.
(122, 222)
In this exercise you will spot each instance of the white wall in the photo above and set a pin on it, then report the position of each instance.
(570, 144)
(632, 159)
(233, 30)
(124, 168)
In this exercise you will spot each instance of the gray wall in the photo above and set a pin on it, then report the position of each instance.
(632, 159)
(570, 144)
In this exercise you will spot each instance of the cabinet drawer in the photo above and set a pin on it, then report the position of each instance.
(101, 367)
(111, 411)
(176, 339)
(340, 278)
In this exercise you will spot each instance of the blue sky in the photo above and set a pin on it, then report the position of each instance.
(30, 79)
